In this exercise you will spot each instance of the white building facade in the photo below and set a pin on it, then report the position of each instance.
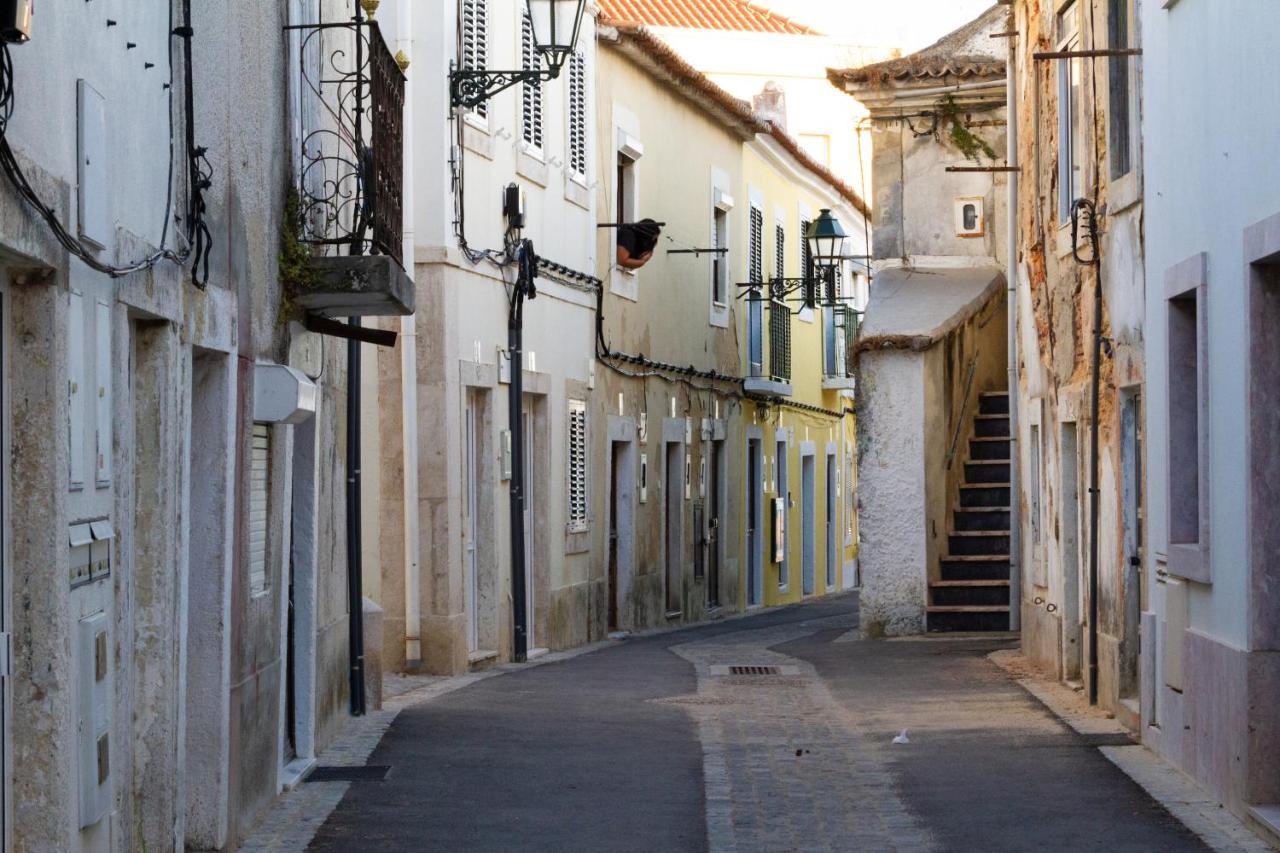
(1211, 625)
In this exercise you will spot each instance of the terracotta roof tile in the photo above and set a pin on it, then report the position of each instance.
(737, 15)
(963, 54)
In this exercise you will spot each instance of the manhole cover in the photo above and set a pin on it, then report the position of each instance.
(369, 773)
(753, 670)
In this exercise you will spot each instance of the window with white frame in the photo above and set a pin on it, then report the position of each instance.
(1188, 496)
(578, 115)
(578, 507)
(1070, 113)
(1120, 103)
(531, 90)
(719, 258)
(473, 48)
(755, 310)
(806, 257)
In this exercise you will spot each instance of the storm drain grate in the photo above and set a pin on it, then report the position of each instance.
(753, 670)
(369, 773)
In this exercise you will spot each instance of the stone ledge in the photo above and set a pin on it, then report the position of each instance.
(358, 286)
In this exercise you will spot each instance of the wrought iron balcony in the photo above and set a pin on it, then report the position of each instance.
(350, 171)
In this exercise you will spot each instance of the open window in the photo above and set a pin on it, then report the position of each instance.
(1070, 113)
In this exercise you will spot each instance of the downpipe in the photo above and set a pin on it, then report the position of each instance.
(355, 581)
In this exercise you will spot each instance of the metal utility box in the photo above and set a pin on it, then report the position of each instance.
(93, 717)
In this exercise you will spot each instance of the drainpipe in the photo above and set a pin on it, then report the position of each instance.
(355, 580)
(409, 375)
(1011, 309)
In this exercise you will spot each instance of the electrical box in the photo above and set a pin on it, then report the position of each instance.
(94, 718)
(969, 219)
(505, 462)
(688, 477)
(102, 370)
(91, 165)
(644, 478)
(644, 428)
(15, 20)
(591, 374)
(513, 206)
(76, 390)
(688, 431)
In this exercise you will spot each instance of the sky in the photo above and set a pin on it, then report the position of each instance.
(911, 24)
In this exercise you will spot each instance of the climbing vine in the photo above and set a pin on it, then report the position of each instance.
(972, 146)
(297, 275)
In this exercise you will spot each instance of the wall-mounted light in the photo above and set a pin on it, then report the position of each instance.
(556, 24)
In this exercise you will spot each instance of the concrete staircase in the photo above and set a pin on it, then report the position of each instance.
(972, 592)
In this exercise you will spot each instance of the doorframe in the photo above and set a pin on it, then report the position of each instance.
(832, 517)
(674, 433)
(753, 529)
(622, 440)
(717, 495)
(1072, 603)
(808, 526)
(6, 586)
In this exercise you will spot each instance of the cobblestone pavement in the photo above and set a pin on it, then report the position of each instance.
(784, 766)
(654, 744)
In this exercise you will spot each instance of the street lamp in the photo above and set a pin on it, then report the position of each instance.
(826, 238)
(555, 35)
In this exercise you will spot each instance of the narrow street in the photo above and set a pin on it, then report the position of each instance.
(651, 745)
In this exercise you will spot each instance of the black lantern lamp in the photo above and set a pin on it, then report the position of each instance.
(556, 24)
(826, 239)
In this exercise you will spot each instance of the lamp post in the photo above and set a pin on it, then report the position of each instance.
(555, 35)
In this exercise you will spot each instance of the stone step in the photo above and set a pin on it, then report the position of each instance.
(973, 543)
(974, 568)
(969, 592)
(984, 495)
(987, 471)
(989, 448)
(991, 426)
(994, 403)
(978, 518)
(947, 618)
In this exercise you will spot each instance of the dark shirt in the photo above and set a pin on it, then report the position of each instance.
(634, 241)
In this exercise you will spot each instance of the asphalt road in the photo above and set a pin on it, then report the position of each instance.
(593, 754)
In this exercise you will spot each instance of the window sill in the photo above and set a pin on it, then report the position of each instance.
(529, 164)
(1124, 193)
(576, 192)
(476, 138)
(837, 383)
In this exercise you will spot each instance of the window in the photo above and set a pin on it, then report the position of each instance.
(259, 492)
(1119, 103)
(577, 114)
(531, 90)
(755, 308)
(473, 51)
(1188, 496)
(577, 466)
(1070, 115)
(779, 251)
(626, 189)
(719, 260)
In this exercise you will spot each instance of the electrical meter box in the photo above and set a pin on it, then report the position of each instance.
(93, 717)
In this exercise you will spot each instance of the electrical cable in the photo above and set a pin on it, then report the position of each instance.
(13, 171)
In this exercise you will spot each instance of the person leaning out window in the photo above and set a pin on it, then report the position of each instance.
(636, 242)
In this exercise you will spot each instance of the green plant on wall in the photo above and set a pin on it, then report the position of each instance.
(297, 275)
(972, 146)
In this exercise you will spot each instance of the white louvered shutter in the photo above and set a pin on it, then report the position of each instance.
(531, 90)
(806, 259)
(259, 490)
(578, 114)
(475, 39)
(577, 465)
(756, 262)
(780, 251)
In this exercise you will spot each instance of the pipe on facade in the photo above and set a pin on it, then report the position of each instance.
(409, 378)
(1011, 309)
(1094, 492)
(355, 580)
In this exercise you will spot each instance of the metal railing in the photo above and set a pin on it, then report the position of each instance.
(350, 113)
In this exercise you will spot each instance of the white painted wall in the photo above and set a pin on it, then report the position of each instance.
(1211, 172)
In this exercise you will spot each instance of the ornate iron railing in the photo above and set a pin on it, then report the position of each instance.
(779, 341)
(350, 110)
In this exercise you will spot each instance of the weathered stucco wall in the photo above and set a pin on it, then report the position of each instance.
(892, 491)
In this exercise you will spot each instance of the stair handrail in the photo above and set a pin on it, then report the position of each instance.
(964, 405)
